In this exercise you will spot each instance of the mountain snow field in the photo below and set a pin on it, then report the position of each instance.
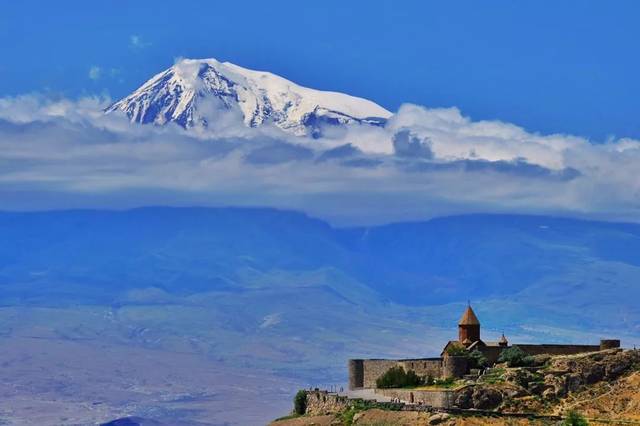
(193, 91)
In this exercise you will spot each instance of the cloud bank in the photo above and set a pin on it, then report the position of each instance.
(57, 154)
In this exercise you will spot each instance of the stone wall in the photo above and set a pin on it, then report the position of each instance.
(374, 368)
(558, 349)
(444, 398)
(363, 373)
(323, 402)
(424, 367)
(455, 366)
(356, 374)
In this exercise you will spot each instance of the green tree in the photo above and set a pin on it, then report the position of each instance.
(477, 359)
(515, 357)
(396, 377)
(300, 402)
(575, 419)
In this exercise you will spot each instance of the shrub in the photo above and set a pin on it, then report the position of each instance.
(515, 357)
(300, 402)
(348, 415)
(575, 419)
(396, 377)
(477, 359)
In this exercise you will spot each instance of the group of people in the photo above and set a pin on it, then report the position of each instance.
(331, 389)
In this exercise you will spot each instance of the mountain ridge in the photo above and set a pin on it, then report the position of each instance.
(443, 260)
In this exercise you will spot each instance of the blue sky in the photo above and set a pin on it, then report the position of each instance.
(549, 66)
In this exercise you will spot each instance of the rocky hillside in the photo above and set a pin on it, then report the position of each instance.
(377, 417)
(601, 387)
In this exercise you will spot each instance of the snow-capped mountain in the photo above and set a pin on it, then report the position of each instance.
(193, 91)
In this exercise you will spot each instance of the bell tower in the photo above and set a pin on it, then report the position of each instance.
(468, 327)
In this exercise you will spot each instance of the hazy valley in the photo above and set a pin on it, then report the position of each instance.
(268, 301)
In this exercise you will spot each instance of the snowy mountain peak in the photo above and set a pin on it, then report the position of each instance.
(191, 92)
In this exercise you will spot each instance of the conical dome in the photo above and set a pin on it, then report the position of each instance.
(469, 317)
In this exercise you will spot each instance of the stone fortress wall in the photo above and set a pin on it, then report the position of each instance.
(363, 373)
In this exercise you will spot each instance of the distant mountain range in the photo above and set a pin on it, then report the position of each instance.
(193, 92)
(563, 266)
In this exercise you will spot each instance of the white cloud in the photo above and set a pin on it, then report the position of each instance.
(95, 72)
(136, 42)
(424, 163)
(454, 137)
